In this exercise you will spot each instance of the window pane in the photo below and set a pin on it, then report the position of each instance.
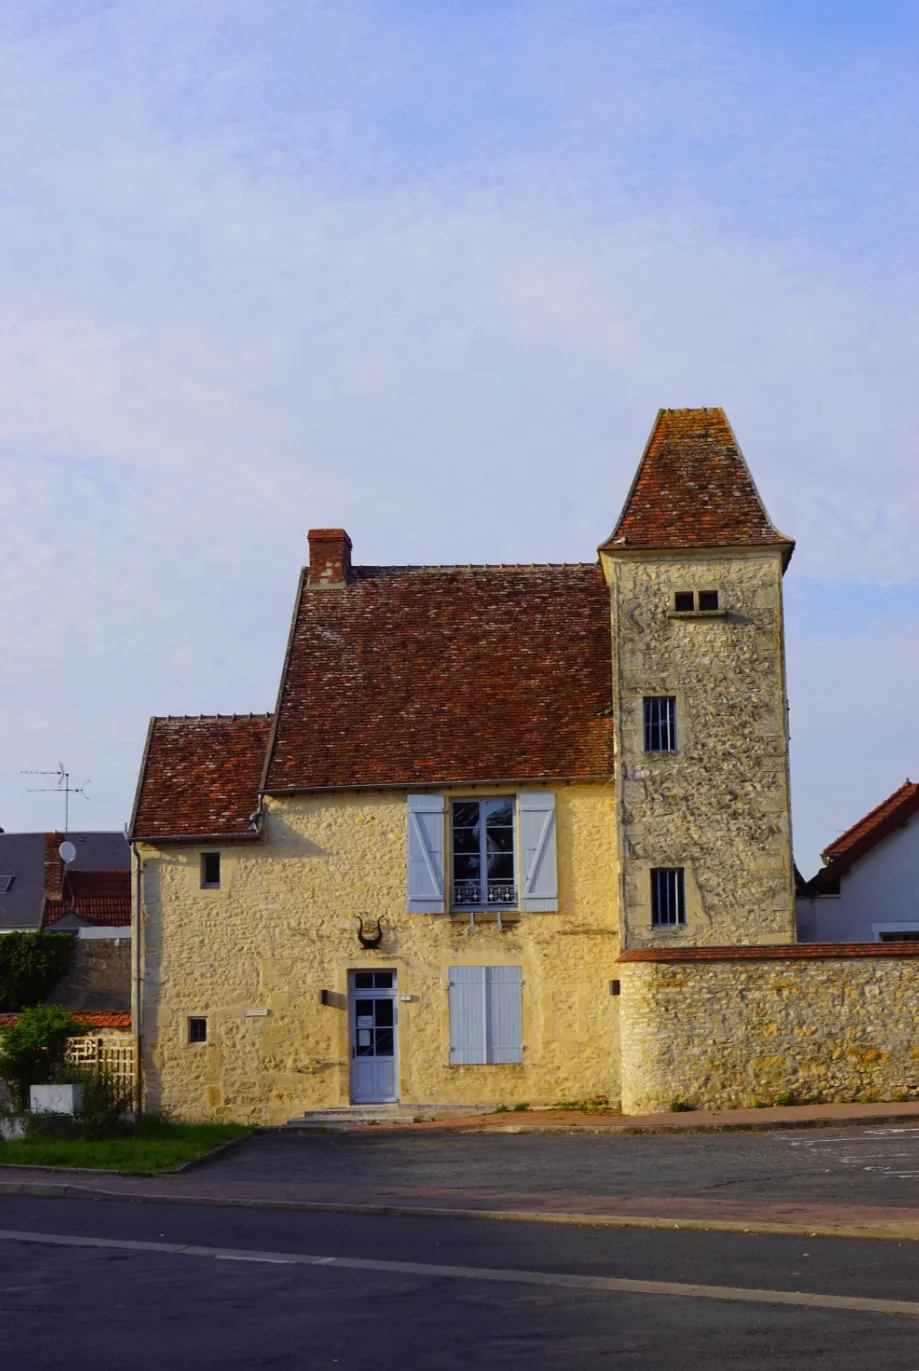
(683, 601)
(465, 840)
(499, 840)
(363, 980)
(382, 980)
(501, 866)
(499, 812)
(384, 1013)
(465, 813)
(708, 599)
(466, 868)
(384, 1043)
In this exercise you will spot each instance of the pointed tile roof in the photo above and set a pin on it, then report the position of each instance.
(693, 489)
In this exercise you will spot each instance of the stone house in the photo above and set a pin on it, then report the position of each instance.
(868, 887)
(512, 834)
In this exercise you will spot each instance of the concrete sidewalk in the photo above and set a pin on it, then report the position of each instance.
(692, 1121)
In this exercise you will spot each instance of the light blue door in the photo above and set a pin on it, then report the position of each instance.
(374, 1041)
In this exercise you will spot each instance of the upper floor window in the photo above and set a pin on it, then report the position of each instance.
(660, 723)
(668, 896)
(483, 853)
(688, 601)
(469, 854)
(210, 871)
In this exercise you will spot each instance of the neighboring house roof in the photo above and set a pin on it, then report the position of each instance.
(94, 897)
(693, 489)
(200, 776)
(842, 854)
(22, 856)
(108, 1019)
(429, 675)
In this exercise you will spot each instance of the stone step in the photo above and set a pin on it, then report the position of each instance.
(347, 1116)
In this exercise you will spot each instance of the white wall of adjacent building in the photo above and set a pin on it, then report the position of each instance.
(879, 895)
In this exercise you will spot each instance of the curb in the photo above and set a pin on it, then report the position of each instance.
(895, 1231)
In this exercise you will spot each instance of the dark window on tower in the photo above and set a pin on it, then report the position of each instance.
(660, 723)
(668, 904)
(210, 870)
(684, 602)
(708, 599)
(197, 1030)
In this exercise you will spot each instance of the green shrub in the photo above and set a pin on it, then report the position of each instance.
(31, 964)
(787, 1098)
(29, 1050)
(107, 1107)
(681, 1107)
(521, 1108)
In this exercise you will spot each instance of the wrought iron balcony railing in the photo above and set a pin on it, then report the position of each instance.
(484, 895)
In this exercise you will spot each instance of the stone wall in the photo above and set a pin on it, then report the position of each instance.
(282, 928)
(99, 976)
(831, 1024)
(719, 806)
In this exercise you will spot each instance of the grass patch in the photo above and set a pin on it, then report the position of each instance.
(154, 1146)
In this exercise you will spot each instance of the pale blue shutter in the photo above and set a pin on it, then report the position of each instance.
(426, 854)
(467, 1015)
(504, 1014)
(538, 874)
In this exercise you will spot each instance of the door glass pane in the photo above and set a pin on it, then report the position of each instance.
(384, 1038)
(384, 1013)
(363, 980)
(382, 980)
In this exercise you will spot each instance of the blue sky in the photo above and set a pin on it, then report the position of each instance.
(428, 270)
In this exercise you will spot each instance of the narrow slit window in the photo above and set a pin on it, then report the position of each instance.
(668, 903)
(197, 1030)
(708, 599)
(210, 871)
(684, 601)
(660, 723)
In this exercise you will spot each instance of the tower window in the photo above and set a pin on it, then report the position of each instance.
(197, 1030)
(684, 602)
(210, 871)
(668, 900)
(708, 599)
(660, 723)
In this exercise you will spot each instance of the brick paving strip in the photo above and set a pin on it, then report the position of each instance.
(207, 1187)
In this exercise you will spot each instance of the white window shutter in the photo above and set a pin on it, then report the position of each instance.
(504, 1021)
(426, 865)
(467, 1015)
(538, 866)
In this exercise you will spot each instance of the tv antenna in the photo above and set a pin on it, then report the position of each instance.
(63, 787)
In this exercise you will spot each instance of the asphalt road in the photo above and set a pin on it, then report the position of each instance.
(873, 1165)
(244, 1298)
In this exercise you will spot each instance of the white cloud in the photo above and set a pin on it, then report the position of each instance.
(233, 304)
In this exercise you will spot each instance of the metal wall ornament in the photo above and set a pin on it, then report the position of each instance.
(369, 940)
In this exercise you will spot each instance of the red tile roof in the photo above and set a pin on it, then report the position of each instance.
(200, 776)
(693, 489)
(101, 1020)
(851, 846)
(99, 897)
(785, 952)
(430, 675)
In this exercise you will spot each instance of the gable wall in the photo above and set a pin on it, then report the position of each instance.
(283, 928)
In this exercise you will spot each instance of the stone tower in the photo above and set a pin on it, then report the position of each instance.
(695, 571)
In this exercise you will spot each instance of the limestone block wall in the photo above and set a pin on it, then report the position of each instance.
(719, 806)
(837, 1024)
(282, 928)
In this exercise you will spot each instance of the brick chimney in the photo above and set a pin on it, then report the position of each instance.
(54, 867)
(330, 557)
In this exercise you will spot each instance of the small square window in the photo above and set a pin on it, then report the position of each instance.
(5, 883)
(668, 902)
(197, 1030)
(684, 601)
(708, 599)
(210, 871)
(660, 723)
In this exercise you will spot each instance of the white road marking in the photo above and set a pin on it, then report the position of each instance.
(605, 1284)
